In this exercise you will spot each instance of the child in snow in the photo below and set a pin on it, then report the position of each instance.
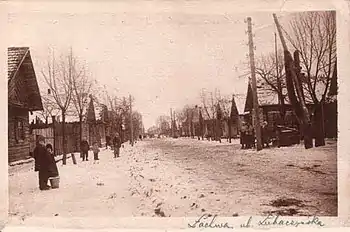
(96, 150)
(53, 171)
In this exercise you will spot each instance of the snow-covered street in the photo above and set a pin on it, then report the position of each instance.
(184, 177)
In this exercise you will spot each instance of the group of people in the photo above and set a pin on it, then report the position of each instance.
(247, 135)
(84, 148)
(45, 163)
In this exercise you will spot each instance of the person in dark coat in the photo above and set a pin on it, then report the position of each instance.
(96, 150)
(108, 141)
(84, 149)
(116, 145)
(250, 138)
(265, 135)
(42, 163)
(243, 136)
(53, 170)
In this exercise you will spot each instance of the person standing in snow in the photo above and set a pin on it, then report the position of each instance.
(265, 135)
(116, 145)
(53, 170)
(42, 163)
(243, 136)
(84, 147)
(250, 139)
(96, 150)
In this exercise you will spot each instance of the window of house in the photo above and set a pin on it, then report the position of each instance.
(19, 130)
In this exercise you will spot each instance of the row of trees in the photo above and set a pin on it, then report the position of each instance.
(69, 89)
(213, 107)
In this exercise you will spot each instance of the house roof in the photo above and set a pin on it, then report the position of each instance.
(16, 56)
(94, 111)
(267, 96)
(23, 89)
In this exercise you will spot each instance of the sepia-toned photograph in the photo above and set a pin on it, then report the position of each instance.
(172, 114)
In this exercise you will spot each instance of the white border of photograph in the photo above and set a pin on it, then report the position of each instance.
(206, 7)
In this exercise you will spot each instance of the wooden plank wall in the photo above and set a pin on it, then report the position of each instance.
(18, 150)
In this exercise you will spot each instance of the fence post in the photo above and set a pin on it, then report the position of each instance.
(73, 158)
(64, 159)
(54, 135)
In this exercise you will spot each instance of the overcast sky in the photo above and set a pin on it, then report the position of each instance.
(163, 58)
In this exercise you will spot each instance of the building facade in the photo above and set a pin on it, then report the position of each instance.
(23, 98)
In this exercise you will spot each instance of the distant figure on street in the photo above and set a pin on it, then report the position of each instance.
(250, 138)
(116, 145)
(265, 134)
(84, 149)
(42, 163)
(243, 135)
(96, 150)
(108, 141)
(53, 170)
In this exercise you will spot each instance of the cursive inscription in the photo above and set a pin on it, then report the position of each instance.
(271, 220)
(207, 221)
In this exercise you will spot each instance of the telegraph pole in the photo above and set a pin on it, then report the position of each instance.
(279, 86)
(171, 120)
(256, 113)
(131, 124)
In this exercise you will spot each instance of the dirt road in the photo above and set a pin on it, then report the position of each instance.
(185, 177)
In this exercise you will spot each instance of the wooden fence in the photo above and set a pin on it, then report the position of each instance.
(53, 135)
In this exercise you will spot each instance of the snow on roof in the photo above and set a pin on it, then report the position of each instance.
(15, 56)
(93, 111)
(240, 102)
(267, 96)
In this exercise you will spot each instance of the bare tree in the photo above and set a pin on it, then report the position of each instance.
(59, 77)
(210, 103)
(137, 124)
(183, 118)
(49, 105)
(270, 69)
(163, 124)
(82, 85)
(224, 104)
(266, 69)
(313, 34)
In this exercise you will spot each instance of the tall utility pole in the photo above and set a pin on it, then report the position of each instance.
(131, 124)
(171, 122)
(174, 125)
(256, 113)
(279, 86)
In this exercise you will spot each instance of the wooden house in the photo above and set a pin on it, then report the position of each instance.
(231, 122)
(269, 108)
(23, 98)
(95, 124)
